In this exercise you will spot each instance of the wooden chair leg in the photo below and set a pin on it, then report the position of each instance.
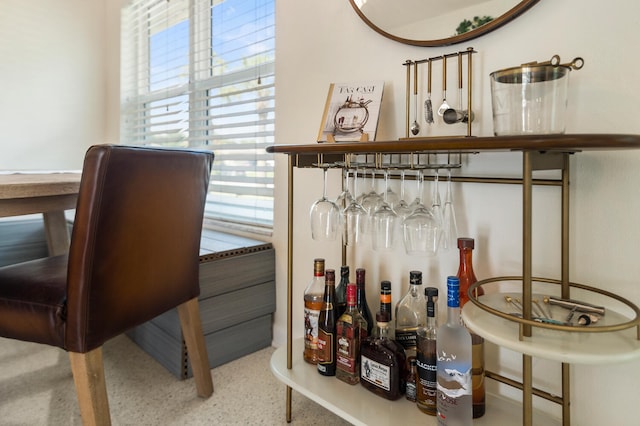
(191, 324)
(88, 375)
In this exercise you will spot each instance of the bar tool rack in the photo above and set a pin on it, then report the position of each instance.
(412, 92)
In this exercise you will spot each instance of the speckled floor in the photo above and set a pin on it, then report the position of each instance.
(36, 388)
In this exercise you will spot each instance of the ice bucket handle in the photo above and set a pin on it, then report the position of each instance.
(576, 64)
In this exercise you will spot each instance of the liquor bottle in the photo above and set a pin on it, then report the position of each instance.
(410, 315)
(385, 298)
(381, 362)
(386, 308)
(327, 327)
(351, 330)
(453, 349)
(411, 390)
(312, 305)
(341, 291)
(361, 299)
(426, 385)
(467, 278)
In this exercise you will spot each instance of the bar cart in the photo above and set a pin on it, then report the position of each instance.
(606, 343)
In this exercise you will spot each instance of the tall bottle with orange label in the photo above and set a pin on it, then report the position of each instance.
(467, 277)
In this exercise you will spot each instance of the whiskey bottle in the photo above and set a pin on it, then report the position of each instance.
(453, 349)
(351, 330)
(467, 277)
(312, 305)
(341, 291)
(381, 362)
(426, 385)
(410, 315)
(327, 327)
(411, 390)
(361, 299)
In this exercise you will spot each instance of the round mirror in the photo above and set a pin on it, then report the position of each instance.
(437, 22)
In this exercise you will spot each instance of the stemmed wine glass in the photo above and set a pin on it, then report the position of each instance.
(402, 209)
(421, 231)
(354, 218)
(324, 215)
(370, 202)
(449, 225)
(345, 197)
(383, 222)
(389, 196)
(436, 203)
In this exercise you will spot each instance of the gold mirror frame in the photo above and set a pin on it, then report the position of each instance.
(511, 14)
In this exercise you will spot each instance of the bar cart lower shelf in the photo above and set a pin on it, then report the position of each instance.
(361, 407)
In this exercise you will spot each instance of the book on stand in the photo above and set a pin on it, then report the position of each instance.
(351, 112)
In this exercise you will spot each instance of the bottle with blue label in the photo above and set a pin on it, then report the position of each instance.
(453, 349)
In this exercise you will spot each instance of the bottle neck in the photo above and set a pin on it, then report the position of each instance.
(414, 289)
(383, 329)
(466, 263)
(453, 315)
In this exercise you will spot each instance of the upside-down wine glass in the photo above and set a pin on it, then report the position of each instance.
(383, 222)
(421, 231)
(389, 196)
(345, 197)
(324, 215)
(449, 225)
(354, 218)
(436, 203)
(402, 209)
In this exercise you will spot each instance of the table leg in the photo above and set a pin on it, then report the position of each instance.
(55, 228)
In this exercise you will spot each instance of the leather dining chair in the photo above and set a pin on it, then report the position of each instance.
(133, 255)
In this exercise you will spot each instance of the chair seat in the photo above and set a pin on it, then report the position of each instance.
(32, 300)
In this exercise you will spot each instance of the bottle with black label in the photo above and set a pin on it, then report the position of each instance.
(327, 327)
(426, 383)
(410, 315)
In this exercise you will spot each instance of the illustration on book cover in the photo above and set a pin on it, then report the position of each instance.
(351, 112)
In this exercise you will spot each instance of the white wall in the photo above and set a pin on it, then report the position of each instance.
(63, 55)
(52, 78)
(322, 42)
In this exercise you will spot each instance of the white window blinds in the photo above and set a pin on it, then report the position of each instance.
(200, 73)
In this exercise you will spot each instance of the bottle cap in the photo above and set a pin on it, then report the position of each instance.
(415, 278)
(344, 270)
(318, 267)
(385, 285)
(360, 274)
(466, 243)
(453, 292)
(330, 276)
(431, 292)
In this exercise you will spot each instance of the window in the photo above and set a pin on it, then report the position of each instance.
(200, 74)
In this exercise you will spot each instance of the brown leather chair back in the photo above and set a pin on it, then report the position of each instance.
(135, 241)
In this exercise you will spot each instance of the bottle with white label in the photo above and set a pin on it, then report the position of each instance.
(453, 350)
(312, 305)
(382, 361)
